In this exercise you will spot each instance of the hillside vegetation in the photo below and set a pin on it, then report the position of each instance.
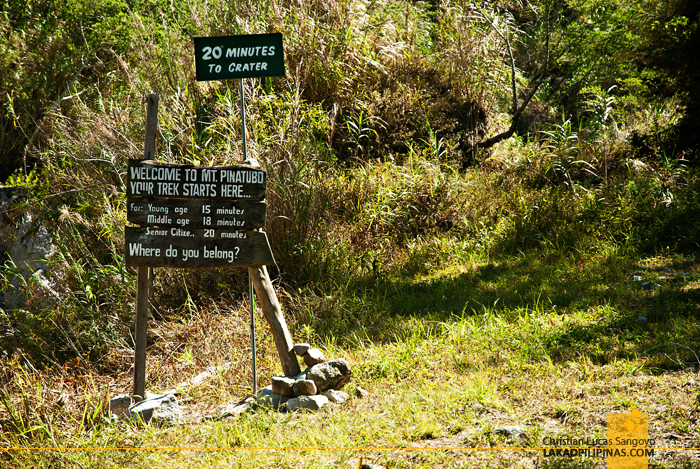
(460, 196)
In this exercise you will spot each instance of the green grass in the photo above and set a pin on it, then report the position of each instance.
(494, 343)
(467, 291)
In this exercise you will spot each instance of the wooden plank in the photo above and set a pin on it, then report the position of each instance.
(156, 247)
(155, 179)
(196, 213)
(274, 317)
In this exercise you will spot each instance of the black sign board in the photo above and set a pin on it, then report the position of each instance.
(156, 247)
(191, 214)
(245, 56)
(195, 216)
(147, 178)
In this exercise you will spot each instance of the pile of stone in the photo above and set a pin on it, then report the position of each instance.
(313, 388)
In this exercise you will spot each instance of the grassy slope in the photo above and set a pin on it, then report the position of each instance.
(499, 295)
(551, 359)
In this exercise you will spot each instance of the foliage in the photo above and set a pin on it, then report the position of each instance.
(388, 252)
(671, 51)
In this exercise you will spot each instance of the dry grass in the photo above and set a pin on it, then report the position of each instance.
(437, 386)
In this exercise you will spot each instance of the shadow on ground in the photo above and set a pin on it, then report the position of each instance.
(622, 309)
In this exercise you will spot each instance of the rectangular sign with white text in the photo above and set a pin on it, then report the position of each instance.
(244, 56)
(195, 216)
(157, 247)
(146, 178)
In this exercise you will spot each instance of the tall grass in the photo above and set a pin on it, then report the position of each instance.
(386, 252)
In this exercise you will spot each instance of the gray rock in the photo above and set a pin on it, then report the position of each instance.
(234, 410)
(642, 321)
(313, 357)
(301, 349)
(477, 406)
(304, 387)
(510, 431)
(637, 278)
(308, 403)
(28, 245)
(161, 410)
(361, 393)
(119, 405)
(330, 375)
(361, 464)
(272, 400)
(649, 285)
(283, 386)
(338, 397)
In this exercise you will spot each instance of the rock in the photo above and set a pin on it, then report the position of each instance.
(361, 393)
(119, 405)
(301, 349)
(309, 403)
(28, 245)
(338, 397)
(330, 375)
(477, 406)
(509, 431)
(649, 285)
(637, 278)
(272, 400)
(304, 387)
(360, 464)
(283, 386)
(313, 357)
(642, 321)
(234, 410)
(162, 409)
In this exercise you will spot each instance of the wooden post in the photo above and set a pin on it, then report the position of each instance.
(273, 314)
(141, 334)
(252, 335)
(142, 279)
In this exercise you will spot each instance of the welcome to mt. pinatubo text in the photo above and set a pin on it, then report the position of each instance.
(192, 182)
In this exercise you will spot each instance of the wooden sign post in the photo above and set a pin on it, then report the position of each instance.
(142, 277)
(203, 217)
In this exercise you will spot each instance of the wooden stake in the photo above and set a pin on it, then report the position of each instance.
(273, 315)
(142, 279)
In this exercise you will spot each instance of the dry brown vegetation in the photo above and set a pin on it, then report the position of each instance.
(467, 289)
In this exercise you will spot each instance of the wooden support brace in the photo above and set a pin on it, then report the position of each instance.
(274, 317)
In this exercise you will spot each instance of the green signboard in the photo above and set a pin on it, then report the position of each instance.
(247, 56)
